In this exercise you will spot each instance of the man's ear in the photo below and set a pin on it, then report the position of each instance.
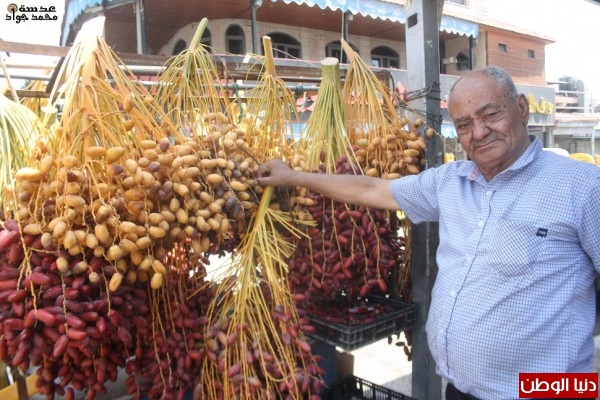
(523, 105)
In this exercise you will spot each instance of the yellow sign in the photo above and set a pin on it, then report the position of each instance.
(583, 157)
(540, 107)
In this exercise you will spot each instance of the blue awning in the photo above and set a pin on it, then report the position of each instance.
(390, 11)
(459, 26)
(76, 8)
(369, 8)
(73, 10)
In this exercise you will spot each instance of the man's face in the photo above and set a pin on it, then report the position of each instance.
(491, 127)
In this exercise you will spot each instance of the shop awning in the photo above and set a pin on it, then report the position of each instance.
(390, 11)
(368, 8)
(459, 26)
(76, 8)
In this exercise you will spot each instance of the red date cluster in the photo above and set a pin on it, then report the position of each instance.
(77, 334)
(168, 358)
(65, 325)
(351, 252)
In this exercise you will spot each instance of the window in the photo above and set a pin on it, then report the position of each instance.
(334, 49)
(180, 46)
(463, 62)
(235, 40)
(284, 46)
(502, 48)
(206, 38)
(531, 53)
(384, 57)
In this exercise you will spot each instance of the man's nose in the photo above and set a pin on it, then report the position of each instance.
(480, 129)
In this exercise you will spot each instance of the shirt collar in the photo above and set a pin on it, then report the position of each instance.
(473, 173)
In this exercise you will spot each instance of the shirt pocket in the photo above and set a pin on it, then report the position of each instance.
(517, 248)
(561, 244)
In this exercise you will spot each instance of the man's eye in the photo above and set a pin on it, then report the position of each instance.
(463, 128)
(491, 116)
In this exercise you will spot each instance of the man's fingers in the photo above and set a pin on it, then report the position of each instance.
(273, 172)
(263, 170)
(262, 174)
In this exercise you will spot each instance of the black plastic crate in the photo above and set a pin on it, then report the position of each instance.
(379, 317)
(354, 388)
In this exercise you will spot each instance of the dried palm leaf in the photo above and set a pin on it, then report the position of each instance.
(20, 129)
(270, 113)
(102, 103)
(190, 89)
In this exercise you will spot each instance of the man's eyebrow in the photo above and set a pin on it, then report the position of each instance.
(460, 119)
(480, 111)
(486, 107)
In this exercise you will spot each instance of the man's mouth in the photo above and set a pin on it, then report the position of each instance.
(484, 144)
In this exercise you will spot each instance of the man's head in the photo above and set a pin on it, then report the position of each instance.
(490, 118)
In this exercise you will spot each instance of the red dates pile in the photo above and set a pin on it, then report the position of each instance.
(77, 334)
(351, 252)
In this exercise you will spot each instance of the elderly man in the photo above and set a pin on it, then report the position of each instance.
(519, 248)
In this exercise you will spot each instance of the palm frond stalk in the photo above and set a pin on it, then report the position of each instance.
(325, 139)
(255, 345)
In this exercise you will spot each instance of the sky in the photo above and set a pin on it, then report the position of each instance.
(573, 24)
(575, 27)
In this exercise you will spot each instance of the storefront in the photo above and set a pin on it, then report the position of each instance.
(577, 133)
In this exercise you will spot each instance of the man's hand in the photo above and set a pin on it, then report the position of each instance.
(346, 188)
(275, 173)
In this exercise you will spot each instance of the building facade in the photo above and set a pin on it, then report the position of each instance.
(310, 30)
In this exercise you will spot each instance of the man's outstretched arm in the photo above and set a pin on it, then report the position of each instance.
(351, 189)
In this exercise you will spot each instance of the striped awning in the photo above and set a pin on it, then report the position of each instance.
(388, 10)
(459, 26)
(369, 8)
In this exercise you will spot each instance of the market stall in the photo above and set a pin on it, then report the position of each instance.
(135, 180)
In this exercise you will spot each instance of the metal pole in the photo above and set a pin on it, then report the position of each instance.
(140, 25)
(254, 4)
(423, 71)
(593, 149)
(347, 18)
(471, 52)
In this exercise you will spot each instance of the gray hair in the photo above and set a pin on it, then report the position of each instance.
(501, 76)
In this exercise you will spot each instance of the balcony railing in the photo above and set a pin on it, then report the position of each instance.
(569, 101)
